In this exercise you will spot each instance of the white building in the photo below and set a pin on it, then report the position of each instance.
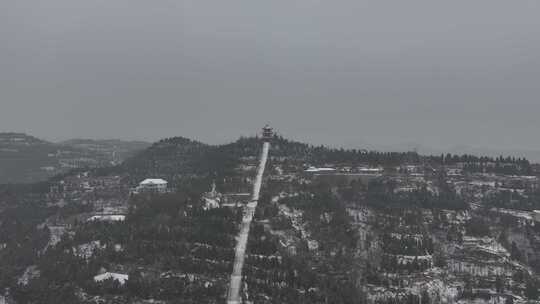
(156, 185)
(313, 169)
(121, 278)
(368, 170)
(536, 215)
(107, 218)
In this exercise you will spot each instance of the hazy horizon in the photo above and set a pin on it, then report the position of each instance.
(357, 73)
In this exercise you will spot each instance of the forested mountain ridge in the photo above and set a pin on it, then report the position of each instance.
(423, 229)
(180, 155)
(320, 155)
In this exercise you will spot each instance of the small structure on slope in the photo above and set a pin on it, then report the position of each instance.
(152, 185)
(107, 218)
(121, 278)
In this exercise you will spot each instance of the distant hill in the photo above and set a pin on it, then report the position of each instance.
(26, 159)
(118, 150)
(177, 158)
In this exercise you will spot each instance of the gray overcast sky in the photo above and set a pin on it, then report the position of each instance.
(436, 73)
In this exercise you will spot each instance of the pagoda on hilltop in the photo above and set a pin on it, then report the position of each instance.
(268, 133)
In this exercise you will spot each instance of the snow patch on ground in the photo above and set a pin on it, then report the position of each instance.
(30, 273)
(87, 250)
(517, 213)
(56, 233)
(295, 216)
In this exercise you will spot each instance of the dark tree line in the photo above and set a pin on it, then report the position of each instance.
(381, 194)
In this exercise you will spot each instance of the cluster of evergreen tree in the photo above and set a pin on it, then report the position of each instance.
(411, 245)
(21, 212)
(319, 155)
(300, 276)
(471, 163)
(293, 278)
(391, 263)
(180, 157)
(381, 194)
(513, 200)
(162, 234)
